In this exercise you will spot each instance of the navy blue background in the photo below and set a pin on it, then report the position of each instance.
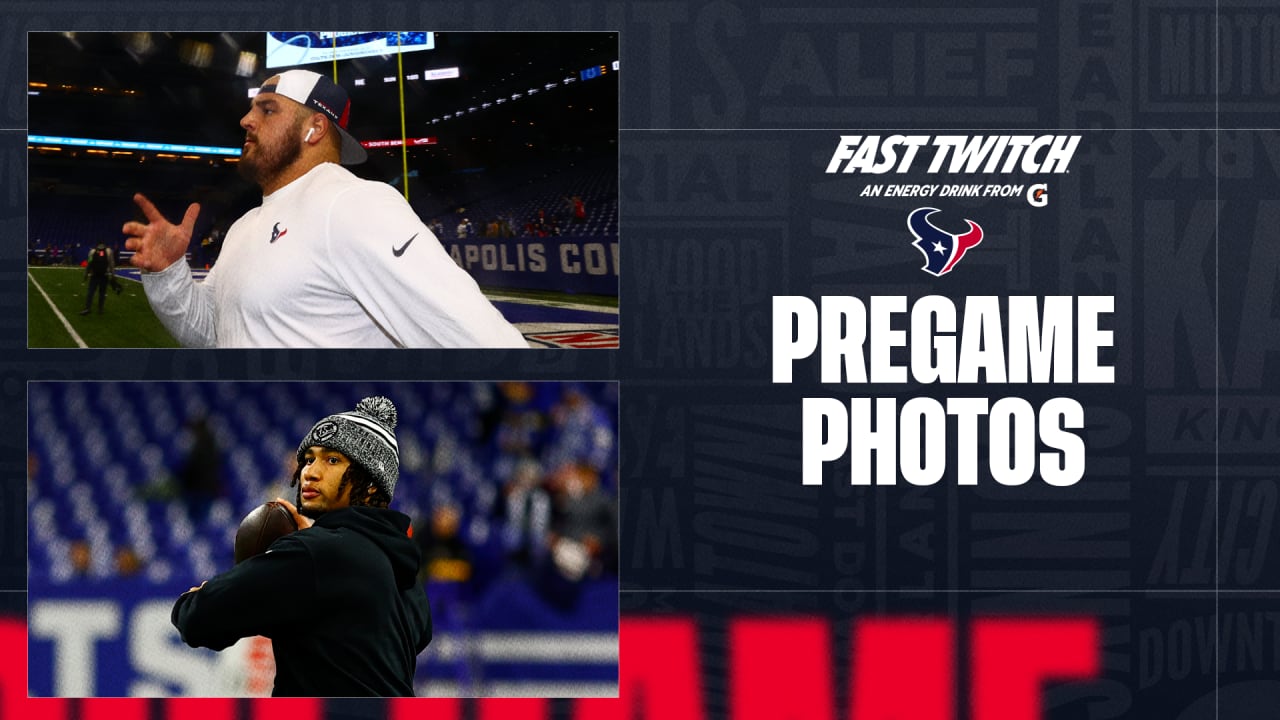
(730, 112)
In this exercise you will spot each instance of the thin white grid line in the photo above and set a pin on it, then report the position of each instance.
(918, 591)
(961, 130)
(1205, 591)
(1217, 375)
(901, 130)
(944, 591)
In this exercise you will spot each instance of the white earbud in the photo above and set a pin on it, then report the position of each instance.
(309, 134)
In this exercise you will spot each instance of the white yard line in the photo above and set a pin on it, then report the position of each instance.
(63, 318)
(553, 303)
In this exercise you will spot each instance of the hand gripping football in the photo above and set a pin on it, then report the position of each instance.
(267, 523)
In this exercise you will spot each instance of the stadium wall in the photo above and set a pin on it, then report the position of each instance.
(577, 264)
(115, 639)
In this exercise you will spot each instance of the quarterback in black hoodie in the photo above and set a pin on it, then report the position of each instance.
(339, 598)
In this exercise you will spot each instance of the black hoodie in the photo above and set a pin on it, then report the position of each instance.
(340, 601)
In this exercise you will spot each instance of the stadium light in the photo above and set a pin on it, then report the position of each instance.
(590, 73)
(131, 145)
(196, 53)
(247, 64)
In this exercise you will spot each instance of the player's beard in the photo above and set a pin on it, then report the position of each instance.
(305, 511)
(269, 162)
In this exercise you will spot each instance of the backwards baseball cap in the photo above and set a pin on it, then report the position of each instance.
(323, 95)
(366, 435)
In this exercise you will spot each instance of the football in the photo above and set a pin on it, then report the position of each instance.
(267, 523)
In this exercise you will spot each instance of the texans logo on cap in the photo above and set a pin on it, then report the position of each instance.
(319, 93)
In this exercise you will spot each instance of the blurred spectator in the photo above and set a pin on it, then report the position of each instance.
(526, 515)
(583, 524)
(81, 557)
(447, 567)
(445, 557)
(523, 423)
(201, 474)
(582, 431)
(210, 245)
(128, 563)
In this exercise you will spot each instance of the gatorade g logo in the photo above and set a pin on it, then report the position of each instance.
(1038, 195)
(942, 250)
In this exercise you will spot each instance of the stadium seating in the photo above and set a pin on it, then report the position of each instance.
(520, 193)
(109, 458)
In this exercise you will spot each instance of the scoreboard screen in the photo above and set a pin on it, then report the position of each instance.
(288, 49)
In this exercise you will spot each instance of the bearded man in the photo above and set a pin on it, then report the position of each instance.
(327, 261)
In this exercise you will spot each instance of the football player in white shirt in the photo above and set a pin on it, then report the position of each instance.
(327, 261)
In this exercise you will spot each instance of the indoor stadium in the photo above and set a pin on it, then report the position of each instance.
(504, 145)
(136, 491)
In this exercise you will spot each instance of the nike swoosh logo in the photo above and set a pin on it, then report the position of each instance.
(405, 246)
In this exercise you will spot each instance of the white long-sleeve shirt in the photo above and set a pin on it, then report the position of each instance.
(329, 261)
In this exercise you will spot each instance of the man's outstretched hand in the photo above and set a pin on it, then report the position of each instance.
(158, 243)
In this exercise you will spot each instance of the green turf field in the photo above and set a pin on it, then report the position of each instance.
(126, 322)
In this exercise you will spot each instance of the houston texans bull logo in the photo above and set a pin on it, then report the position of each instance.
(942, 250)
